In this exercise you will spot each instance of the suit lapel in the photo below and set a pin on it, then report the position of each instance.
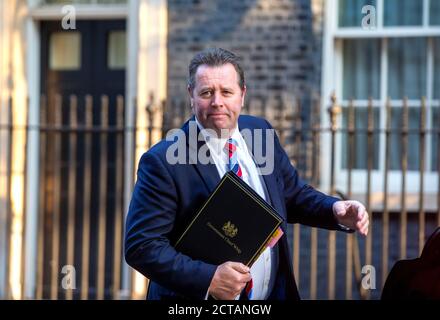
(208, 172)
(209, 175)
(269, 179)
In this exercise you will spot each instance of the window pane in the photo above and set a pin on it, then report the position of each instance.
(116, 51)
(65, 51)
(65, 1)
(434, 18)
(435, 138)
(361, 69)
(83, 1)
(361, 152)
(407, 68)
(436, 55)
(350, 12)
(111, 1)
(413, 144)
(403, 12)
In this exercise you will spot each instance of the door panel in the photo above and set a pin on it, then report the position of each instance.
(82, 157)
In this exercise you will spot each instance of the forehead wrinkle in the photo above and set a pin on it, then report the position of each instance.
(217, 76)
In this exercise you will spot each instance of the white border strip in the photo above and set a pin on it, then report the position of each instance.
(83, 11)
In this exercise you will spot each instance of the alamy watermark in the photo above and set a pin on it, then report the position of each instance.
(369, 20)
(68, 282)
(369, 278)
(69, 19)
(185, 149)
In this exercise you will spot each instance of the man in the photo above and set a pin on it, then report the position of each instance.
(167, 195)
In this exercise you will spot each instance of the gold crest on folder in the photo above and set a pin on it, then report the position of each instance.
(230, 229)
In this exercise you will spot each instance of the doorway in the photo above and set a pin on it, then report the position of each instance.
(81, 157)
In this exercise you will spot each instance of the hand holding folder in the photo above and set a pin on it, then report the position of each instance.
(234, 224)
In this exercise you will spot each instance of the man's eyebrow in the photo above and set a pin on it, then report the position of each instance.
(227, 88)
(230, 88)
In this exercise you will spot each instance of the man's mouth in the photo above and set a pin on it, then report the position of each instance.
(217, 114)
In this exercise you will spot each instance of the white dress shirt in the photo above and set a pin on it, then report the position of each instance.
(262, 267)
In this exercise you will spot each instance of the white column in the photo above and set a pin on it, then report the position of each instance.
(32, 154)
(14, 65)
(328, 86)
(4, 91)
(147, 72)
(131, 93)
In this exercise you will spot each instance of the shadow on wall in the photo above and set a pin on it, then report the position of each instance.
(275, 39)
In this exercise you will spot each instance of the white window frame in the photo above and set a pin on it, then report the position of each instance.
(93, 11)
(333, 37)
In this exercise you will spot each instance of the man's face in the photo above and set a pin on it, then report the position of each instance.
(216, 98)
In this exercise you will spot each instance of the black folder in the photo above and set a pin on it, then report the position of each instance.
(234, 224)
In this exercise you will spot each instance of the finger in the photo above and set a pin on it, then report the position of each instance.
(356, 207)
(241, 287)
(364, 224)
(236, 289)
(365, 219)
(242, 278)
(364, 229)
(361, 212)
(240, 267)
(341, 212)
(340, 208)
(366, 215)
(360, 224)
(246, 277)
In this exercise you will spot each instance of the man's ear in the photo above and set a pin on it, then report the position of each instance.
(243, 94)
(190, 93)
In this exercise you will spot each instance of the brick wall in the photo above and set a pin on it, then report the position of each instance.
(280, 42)
(281, 55)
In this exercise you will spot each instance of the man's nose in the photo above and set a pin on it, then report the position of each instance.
(217, 100)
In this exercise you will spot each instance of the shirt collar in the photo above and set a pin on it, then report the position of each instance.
(211, 139)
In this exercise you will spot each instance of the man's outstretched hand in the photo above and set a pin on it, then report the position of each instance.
(352, 214)
(229, 280)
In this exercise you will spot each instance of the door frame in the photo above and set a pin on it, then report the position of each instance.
(36, 14)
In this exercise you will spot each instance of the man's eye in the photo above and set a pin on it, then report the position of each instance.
(227, 93)
(205, 93)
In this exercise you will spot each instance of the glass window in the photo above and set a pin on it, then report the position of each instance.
(65, 1)
(436, 55)
(435, 138)
(434, 10)
(403, 12)
(361, 69)
(65, 51)
(116, 51)
(83, 1)
(407, 68)
(406, 74)
(360, 157)
(350, 12)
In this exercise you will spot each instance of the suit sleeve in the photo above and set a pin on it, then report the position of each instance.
(150, 219)
(304, 204)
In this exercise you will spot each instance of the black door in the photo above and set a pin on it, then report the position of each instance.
(82, 87)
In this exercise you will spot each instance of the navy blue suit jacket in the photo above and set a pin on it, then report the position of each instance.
(166, 197)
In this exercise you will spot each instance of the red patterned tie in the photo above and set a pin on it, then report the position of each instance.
(234, 166)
